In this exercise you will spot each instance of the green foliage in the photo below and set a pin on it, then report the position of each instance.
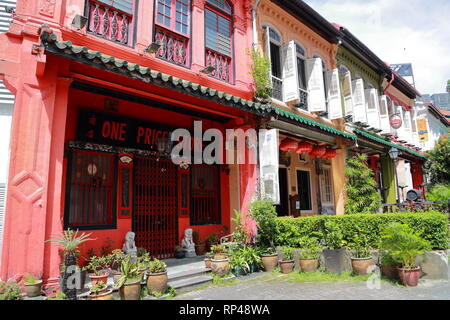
(310, 248)
(115, 258)
(70, 240)
(218, 249)
(439, 192)
(403, 244)
(240, 232)
(265, 215)
(31, 279)
(261, 72)
(288, 253)
(251, 255)
(438, 164)
(360, 247)
(156, 266)
(386, 259)
(432, 226)
(10, 290)
(362, 195)
(144, 261)
(238, 260)
(129, 272)
(95, 289)
(141, 251)
(97, 264)
(333, 237)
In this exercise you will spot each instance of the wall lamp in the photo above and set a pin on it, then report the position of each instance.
(153, 47)
(208, 70)
(79, 21)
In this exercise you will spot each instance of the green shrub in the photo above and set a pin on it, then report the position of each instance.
(264, 213)
(439, 192)
(431, 226)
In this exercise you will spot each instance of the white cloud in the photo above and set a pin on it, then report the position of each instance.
(416, 31)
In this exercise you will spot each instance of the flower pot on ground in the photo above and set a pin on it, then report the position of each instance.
(309, 254)
(33, 286)
(252, 257)
(287, 263)
(180, 253)
(129, 284)
(115, 259)
(404, 245)
(269, 259)
(96, 268)
(238, 264)
(334, 254)
(100, 291)
(362, 262)
(388, 266)
(219, 251)
(157, 277)
(220, 267)
(200, 249)
(207, 260)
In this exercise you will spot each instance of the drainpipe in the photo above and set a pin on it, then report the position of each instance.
(255, 30)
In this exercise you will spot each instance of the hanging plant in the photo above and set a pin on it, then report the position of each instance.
(318, 151)
(304, 148)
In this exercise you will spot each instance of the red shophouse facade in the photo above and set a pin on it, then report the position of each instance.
(93, 109)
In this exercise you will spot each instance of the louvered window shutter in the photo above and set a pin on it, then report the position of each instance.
(384, 115)
(334, 95)
(268, 153)
(122, 5)
(2, 210)
(290, 75)
(5, 17)
(373, 115)
(359, 101)
(347, 92)
(316, 91)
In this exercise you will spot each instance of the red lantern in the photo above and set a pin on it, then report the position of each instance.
(330, 153)
(318, 151)
(288, 145)
(304, 147)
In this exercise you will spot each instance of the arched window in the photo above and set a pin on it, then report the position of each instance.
(218, 38)
(172, 30)
(273, 49)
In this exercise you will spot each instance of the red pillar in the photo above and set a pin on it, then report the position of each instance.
(417, 176)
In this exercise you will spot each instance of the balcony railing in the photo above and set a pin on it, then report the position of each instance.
(173, 48)
(277, 88)
(109, 23)
(303, 99)
(221, 63)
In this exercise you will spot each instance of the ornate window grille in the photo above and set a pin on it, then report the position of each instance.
(174, 48)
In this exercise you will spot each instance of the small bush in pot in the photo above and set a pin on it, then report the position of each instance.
(389, 267)
(100, 291)
(253, 258)
(404, 245)
(129, 284)
(220, 251)
(287, 264)
(97, 268)
(200, 245)
(309, 254)
(220, 263)
(239, 266)
(115, 259)
(33, 286)
(10, 290)
(157, 277)
(362, 256)
(335, 253)
(269, 259)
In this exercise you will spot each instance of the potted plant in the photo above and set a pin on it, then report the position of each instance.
(143, 263)
(404, 245)
(253, 258)
(129, 284)
(100, 291)
(261, 76)
(10, 290)
(200, 245)
(33, 286)
(157, 277)
(388, 265)
(287, 263)
(362, 256)
(207, 260)
(97, 270)
(239, 266)
(264, 213)
(115, 259)
(220, 264)
(335, 252)
(210, 240)
(309, 254)
(180, 253)
(69, 241)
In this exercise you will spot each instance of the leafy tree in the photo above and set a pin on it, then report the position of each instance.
(438, 164)
(362, 195)
(261, 75)
(264, 213)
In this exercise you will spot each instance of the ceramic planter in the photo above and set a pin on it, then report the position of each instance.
(200, 249)
(390, 271)
(33, 290)
(131, 290)
(106, 295)
(309, 265)
(220, 267)
(287, 266)
(269, 262)
(361, 266)
(101, 278)
(409, 277)
(157, 282)
(208, 263)
(220, 256)
(335, 260)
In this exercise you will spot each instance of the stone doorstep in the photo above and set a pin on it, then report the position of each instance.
(175, 276)
(190, 283)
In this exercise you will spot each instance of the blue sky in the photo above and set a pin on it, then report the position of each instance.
(399, 31)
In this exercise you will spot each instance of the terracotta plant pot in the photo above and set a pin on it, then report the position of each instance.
(361, 266)
(200, 249)
(131, 291)
(287, 266)
(220, 256)
(105, 295)
(157, 282)
(220, 267)
(102, 278)
(409, 277)
(390, 271)
(208, 263)
(33, 290)
(269, 262)
(309, 265)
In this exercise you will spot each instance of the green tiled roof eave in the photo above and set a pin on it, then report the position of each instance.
(312, 123)
(388, 143)
(68, 48)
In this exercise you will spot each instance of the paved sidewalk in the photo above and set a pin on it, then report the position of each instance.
(277, 287)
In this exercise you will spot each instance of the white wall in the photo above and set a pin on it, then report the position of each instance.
(435, 127)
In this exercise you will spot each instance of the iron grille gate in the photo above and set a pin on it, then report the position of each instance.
(155, 206)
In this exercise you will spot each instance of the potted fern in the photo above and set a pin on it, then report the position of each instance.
(404, 245)
(129, 283)
(309, 254)
(33, 286)
(157, 277)
(287, 263)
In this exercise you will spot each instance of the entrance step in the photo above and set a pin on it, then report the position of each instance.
(187, 274)
(190, 283)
